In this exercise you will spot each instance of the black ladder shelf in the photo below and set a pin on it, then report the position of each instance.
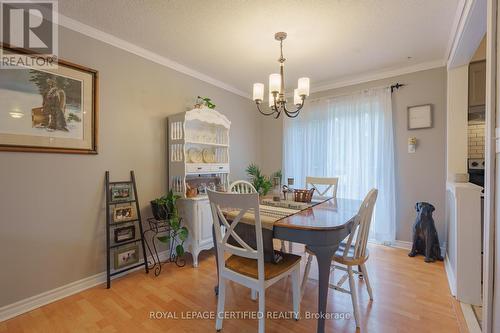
(111, 225)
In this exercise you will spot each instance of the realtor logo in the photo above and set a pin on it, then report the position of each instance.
(29, 28)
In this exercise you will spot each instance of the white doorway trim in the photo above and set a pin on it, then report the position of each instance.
(469, 32)
(491, 202)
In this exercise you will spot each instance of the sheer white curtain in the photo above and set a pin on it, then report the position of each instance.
(350, 137)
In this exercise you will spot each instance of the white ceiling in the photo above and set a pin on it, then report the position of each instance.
(233, 40)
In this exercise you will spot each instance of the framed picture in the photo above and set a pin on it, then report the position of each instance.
(124, 234)
(121, 192)
(123, 213)
(126, 256)
(48, 110)
(420, 116)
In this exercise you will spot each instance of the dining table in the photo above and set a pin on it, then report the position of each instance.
(321, 227)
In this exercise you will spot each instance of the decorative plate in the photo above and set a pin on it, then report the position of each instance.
(194, 155)
(208, 155)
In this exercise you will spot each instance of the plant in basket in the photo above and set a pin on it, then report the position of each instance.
(178, 233)
(159, 208)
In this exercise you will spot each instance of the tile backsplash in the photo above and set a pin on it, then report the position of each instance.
(475, 135)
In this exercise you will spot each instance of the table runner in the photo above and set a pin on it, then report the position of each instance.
(270, 213)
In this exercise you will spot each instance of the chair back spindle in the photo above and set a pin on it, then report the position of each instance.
(242, 186)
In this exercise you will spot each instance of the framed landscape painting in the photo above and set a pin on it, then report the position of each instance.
(48, 110)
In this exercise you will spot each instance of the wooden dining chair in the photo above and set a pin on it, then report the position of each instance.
(245, 264)
(352, 252)
(242, 186)
(317, 183)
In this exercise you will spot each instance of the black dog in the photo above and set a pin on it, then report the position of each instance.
(425, 237)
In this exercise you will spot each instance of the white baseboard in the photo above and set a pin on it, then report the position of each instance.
(407, 246)
(470, 318)
(452, 282)
(33, 302)
(402, 244)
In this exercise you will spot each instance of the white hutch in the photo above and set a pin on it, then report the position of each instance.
(198, 143)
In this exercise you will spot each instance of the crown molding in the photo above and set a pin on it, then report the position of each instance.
(107, 38)
(377, 75)
(117, 42)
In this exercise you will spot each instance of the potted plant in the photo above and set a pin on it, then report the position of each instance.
(205, 101)
(261, 182)
(178, 233)
(159, 208)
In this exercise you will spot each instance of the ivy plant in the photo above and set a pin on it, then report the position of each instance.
(178, 233)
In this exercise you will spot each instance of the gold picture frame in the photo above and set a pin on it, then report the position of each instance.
(53, 110)
(123, 213)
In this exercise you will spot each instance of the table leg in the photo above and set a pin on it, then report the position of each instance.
(324, 257)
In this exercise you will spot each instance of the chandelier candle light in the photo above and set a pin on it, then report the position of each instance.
(277, 99)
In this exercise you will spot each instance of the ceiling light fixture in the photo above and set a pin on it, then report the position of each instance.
(277, 99)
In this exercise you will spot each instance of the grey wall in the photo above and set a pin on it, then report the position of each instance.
(52, 217)
(52, 205)
(420, 176)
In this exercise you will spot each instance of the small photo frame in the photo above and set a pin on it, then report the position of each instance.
(123, 213)
(124, 234)
(121, 192)
(126, 256)
(420, 116)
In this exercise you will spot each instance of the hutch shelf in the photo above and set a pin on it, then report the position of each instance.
(198, 143)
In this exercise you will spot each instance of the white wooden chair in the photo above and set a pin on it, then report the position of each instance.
(242, 186)
(317, 183)
(246, 265)
(351, 254)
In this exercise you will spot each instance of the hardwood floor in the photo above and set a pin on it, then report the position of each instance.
(409, 296)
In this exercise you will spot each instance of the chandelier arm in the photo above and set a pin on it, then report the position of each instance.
(265, 113)
(294, 113)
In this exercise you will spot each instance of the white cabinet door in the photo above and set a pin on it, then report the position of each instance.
(477, 83)
(205, 222)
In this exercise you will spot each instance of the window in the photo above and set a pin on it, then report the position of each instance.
(350, 137)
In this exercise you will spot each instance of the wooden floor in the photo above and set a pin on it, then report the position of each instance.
(409, 296)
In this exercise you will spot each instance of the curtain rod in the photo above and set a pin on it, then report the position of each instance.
(393, 87)
(396, 86)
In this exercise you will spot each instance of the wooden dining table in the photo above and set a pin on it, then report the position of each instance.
(321, 228)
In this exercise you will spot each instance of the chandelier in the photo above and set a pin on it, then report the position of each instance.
(277, 99)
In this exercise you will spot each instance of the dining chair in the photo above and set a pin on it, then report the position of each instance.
(317, 183)
(245, 264)
(242, 186)
(352, 252)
